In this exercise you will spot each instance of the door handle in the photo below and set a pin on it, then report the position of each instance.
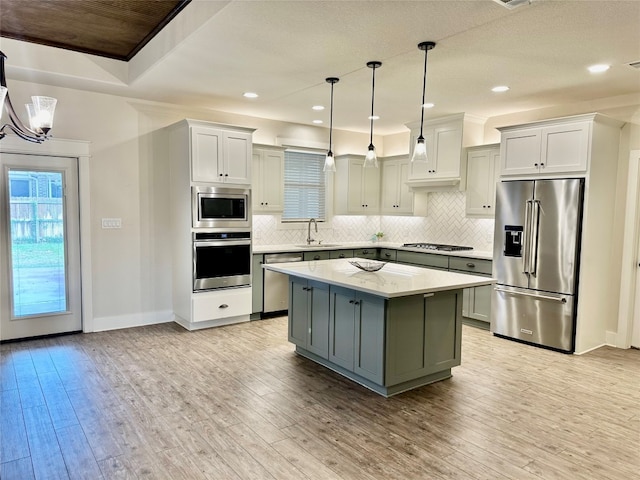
(534, 295)
(533, 261)
(527, 237)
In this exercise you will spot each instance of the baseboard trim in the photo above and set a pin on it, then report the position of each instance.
(101, 324)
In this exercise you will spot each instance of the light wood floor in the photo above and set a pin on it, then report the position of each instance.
(236, 403)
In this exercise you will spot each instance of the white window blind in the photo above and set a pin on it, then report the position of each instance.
(304, 186)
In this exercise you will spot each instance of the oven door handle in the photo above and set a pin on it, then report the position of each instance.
(220, 243)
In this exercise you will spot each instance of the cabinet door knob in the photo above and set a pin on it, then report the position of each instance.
(224, 305)
(542, 165)
(535, 164)
(220, 174)
(351, 301)
(356, 303)
(226, 174)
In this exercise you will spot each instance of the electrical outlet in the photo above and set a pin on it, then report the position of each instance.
(111, 223)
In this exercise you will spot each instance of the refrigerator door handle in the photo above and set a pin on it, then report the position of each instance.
(534, 295)
(526, 257)
(535, 221)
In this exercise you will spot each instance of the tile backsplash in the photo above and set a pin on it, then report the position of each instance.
(445, 223)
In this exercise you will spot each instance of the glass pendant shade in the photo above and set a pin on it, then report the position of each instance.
(31, 115)
(329, 163)
(420, 151)
(3, 93)
(371, 159)
(45, 108)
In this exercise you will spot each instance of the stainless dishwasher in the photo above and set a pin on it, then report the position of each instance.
(276, 285)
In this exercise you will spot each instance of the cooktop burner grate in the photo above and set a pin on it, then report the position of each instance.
(438, 246)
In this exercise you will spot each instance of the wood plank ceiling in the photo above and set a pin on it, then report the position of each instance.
(115, 29)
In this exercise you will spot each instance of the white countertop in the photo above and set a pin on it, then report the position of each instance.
(393, 280)
(479, 254)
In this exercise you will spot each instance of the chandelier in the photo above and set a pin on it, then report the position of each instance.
(40, 113)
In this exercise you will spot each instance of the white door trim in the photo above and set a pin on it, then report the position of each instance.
(629, 254)
(56, 147)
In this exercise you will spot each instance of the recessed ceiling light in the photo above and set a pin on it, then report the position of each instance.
(500, 89)
(374, 117)
(250, 95)
(318, 121)
(317, 107)
(428, 105)
(599, 68)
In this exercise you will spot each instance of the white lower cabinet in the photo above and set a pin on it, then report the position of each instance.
(219, 304)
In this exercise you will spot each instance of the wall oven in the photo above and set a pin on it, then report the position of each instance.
(220, 207)
(221, 259)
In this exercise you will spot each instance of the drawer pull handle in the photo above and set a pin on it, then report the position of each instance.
(341, 255)
(224, 305)
(316, 257)
(471, 265)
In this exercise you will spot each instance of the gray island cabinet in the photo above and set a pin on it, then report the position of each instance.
(391, 330)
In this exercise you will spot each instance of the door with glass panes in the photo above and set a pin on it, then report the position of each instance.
(39, 246)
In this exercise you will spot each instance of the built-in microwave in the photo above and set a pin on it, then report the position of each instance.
(220, 207)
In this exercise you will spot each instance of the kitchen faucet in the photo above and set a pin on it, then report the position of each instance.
(309, 239)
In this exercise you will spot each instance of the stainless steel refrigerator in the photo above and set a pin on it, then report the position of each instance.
(536, 261)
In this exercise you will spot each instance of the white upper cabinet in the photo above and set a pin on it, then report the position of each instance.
(483, 166)
(236, 158)
(396, 197)
(546, 148)
(206, 154)
(215, 153)
(356, 189)
(268, 179)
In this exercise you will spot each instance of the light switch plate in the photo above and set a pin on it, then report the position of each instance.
(111, 223)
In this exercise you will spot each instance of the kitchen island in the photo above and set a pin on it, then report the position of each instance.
(391, 330)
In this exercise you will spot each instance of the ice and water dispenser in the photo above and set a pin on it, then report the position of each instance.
(513, 240)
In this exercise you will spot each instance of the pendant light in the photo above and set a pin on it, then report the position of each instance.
(371, 160)
(329, 162)
(420, 149)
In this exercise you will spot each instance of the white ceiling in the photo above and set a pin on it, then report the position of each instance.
(213, 51)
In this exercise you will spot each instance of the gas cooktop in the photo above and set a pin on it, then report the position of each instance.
(437, 246)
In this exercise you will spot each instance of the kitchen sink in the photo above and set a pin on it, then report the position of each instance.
(315, 245)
